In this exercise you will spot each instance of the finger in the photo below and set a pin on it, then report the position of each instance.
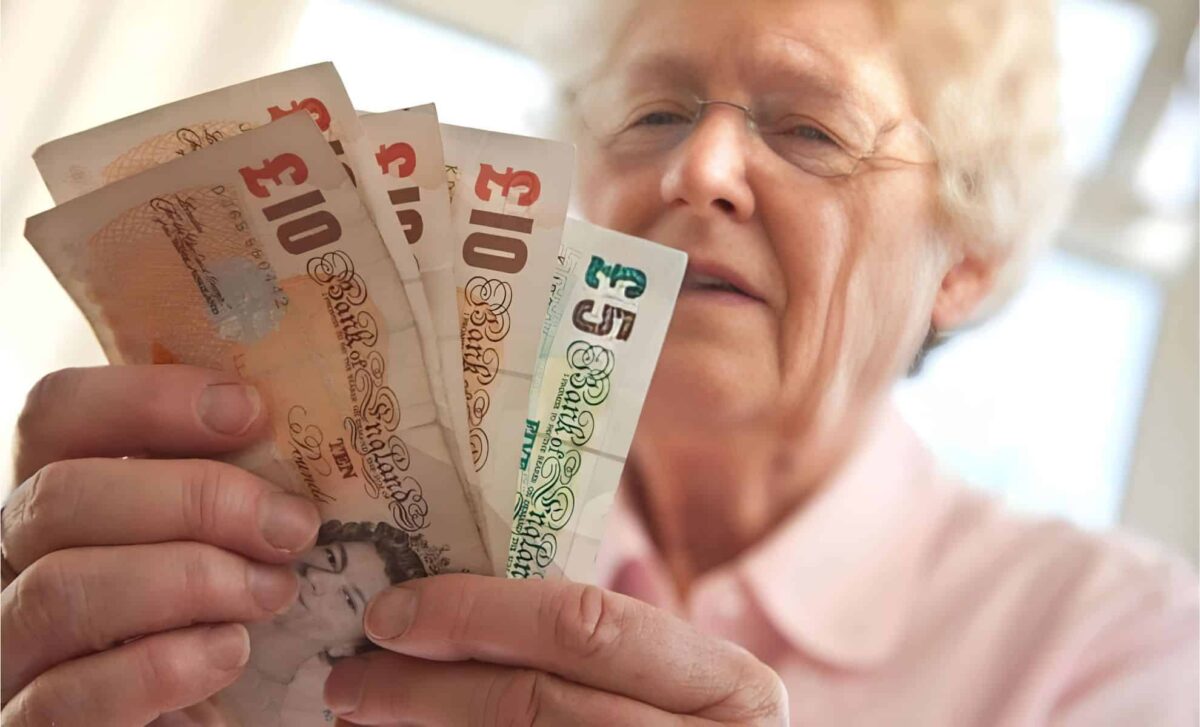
(117, 411)
(136, 682)
(581, 633)
(92, 502)
(384, 688)
(85, 600)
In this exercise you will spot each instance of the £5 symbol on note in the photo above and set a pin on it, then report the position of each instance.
(601, 322)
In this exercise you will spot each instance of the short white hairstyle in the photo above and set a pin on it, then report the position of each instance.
(983, 75)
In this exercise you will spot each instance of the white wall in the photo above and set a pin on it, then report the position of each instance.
(68, 65)
(1162, 500)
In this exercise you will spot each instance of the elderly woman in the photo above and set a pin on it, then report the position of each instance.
(851, 179)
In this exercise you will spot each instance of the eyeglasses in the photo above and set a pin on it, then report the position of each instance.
(836, 147)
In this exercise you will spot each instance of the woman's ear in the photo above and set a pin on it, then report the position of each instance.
(964, 287)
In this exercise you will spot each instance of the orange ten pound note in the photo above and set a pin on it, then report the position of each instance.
(256, 255)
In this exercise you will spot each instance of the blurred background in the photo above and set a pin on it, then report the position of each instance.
(1080, 399)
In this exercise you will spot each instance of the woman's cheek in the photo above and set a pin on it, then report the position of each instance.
(626, 199)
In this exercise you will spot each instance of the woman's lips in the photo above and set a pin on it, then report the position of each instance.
(717, 282)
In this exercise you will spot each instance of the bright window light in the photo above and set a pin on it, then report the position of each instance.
(391, 59)
(1104, 46)
(1041, 405)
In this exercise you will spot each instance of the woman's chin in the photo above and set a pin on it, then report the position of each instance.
(701, 384)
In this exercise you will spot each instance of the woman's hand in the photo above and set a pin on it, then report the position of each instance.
(130, 577)
(473, 650)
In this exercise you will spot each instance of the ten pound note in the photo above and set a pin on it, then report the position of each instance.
(83, 162)
(612, 301)
(408, 153)
(256, 255)
(509, 204)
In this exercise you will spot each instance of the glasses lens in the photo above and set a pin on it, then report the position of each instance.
(637, 127)
(807, 140)
(640, 126)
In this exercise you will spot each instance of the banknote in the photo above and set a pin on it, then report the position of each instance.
(612, 300)
(508, 207)
(408, 154)
(257, 256)
(83, 162)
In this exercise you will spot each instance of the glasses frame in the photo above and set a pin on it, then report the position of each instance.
(858, 158)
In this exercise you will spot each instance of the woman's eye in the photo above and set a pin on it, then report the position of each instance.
(349, 600)
(812, 133)
(331, 558)
(662, 118)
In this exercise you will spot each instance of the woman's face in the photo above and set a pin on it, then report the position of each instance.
(836, 277)
(336, 583)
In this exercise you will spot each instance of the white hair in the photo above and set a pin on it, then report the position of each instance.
(983, 75)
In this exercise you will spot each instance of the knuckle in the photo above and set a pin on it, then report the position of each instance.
(28, 510)
(198, 567)
(205, 491)
(160, 669)
(46, 497)
(43, 702)
(52, 598)
(464, 616)
(768, 700)
(587, 620)
(760, 694)
(26, 709)
(516, 699)
(50, 393)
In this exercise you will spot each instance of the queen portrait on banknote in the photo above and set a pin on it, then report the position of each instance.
(350, 564)
(852, 181)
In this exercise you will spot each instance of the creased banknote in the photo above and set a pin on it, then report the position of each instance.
(508, 207)
(408, 156)
(82, 162)
(612, 300)
(256, 255)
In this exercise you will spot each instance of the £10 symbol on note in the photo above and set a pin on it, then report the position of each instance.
(400, 159)
(315, 108)
(502, 253)
(631, 283)
(298, 233)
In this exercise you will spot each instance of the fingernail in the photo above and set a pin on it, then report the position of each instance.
(274, 587)
(344, 686)
(391, 613)
(229, 408)
(227, 646)
(288, 522)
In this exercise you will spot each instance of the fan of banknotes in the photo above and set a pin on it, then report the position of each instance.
(453, 369)
(442, 351)
(441, 348)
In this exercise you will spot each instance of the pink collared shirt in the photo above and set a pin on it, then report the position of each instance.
(900, 597)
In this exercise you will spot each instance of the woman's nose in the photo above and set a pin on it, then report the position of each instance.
(318, 581)
(707, 171)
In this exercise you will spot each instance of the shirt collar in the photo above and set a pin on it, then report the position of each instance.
(838, 578)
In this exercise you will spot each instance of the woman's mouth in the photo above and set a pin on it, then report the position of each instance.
(716, 285)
